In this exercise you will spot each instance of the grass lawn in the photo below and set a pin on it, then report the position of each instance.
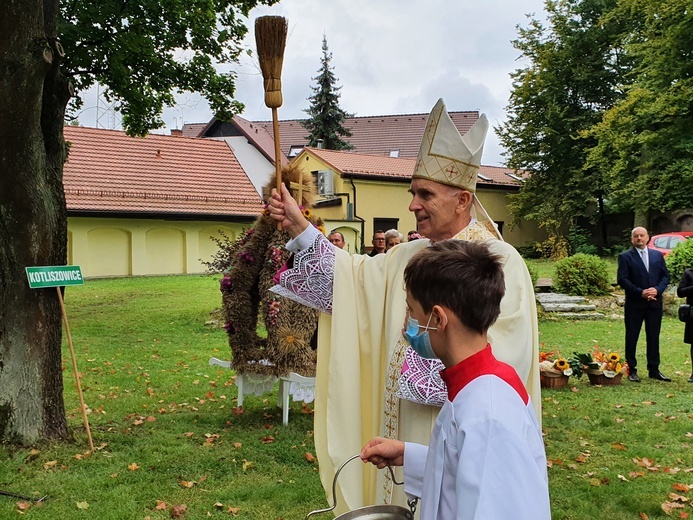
(169, 434)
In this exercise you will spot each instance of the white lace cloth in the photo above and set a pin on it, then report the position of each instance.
(309, 281)
(301, 392)
(257, 384)
(420, 381)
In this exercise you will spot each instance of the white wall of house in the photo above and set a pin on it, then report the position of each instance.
(256, 165)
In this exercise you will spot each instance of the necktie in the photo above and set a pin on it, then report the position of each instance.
(645, 259)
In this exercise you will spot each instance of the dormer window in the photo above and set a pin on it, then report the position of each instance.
(394, 153)
(294, 150)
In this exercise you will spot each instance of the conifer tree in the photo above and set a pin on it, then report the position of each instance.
(326, 122)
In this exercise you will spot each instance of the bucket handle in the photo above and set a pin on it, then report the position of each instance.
(334, 486)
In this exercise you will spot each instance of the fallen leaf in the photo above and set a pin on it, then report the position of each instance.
(247, 465)
(237, 445)
(678, 498)
(33, 454)
(160, 505)
(178, 511)
(644, 516)
(309, 457)
(682, 487)
(188, 434)
(133, 466)
(618, 446)
(186, 483)
(238, 410)
(582, 457)
(82, 505)
(668, 507)
(23, 506)
(218, 505)
(233, 510)
(268, 440)
(50, 464)
(624, 479)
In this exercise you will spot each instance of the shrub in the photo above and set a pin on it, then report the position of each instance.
(680, 259)
(582, 275)
(554, 247)
(529, 251)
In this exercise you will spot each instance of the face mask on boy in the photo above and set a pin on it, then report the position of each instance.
(420, 343)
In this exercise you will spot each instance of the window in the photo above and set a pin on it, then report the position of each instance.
(294, 150)
(662, 242)
(394, 153)
(516, 177)
(385, 223)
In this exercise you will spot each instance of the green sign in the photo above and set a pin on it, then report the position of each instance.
(54, 276)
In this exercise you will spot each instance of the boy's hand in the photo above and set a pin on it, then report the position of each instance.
(383, 452)
(283, 208)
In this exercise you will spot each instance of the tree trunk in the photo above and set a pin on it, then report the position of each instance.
(33, 220)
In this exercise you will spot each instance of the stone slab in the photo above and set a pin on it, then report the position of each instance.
(567, 307)
(558, 298)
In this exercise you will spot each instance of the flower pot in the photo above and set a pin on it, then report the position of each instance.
(558, 381)
(601, 379)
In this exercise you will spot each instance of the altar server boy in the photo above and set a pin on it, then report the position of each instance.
(486, 458)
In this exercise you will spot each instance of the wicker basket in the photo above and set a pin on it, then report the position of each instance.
(560, 381)
(601, 379)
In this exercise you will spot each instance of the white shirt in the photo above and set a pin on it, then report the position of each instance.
(486, 458)
(645, 257)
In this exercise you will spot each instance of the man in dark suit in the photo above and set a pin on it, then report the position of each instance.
(643, 274)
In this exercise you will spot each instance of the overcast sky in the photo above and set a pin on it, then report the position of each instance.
(390, 57)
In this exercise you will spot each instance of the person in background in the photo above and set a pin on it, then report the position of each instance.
(643, 274)
(685, 289)
(378, 243)
(336, 238)
(413, 235)
(486, 442)
(392, 238)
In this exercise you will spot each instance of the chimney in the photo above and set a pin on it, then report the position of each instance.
(177, 132)
(320, 144)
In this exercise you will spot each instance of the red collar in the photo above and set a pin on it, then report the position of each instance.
(480, 364)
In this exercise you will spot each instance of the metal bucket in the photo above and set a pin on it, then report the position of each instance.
(380, 512)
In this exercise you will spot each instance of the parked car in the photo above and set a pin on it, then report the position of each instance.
(665, 242)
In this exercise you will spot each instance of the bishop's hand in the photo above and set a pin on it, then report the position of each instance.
(283, 208)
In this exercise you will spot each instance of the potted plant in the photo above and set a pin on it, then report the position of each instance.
(603, 369)
(554, 370)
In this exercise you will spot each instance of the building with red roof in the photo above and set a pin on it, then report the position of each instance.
(141, 206)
